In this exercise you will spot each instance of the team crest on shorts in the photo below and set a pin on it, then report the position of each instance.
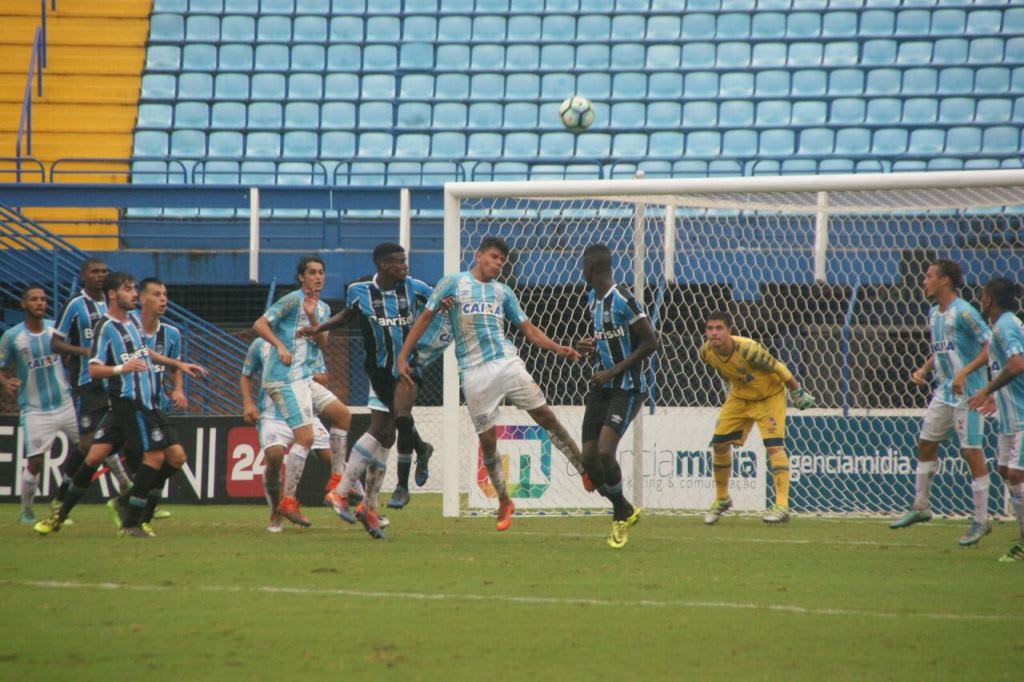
(156, 435)
(86, 422)
(616, 419)
(100, 432)
(481, 419)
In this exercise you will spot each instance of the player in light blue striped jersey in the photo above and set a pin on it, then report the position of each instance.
(490, 368)
(1000, 302)
(959, 338)
(44, 398)
(622, 337)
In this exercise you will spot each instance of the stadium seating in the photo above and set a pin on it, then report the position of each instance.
(848, 85)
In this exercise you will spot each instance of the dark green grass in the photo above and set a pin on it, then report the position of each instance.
(453, 599)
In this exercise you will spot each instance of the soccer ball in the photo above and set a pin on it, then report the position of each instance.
(577, 113)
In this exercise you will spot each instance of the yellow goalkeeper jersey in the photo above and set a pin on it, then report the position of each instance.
(751, 371)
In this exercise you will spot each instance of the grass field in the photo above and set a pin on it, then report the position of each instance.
(215, 595)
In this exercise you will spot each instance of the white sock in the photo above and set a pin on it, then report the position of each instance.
(338, 444)
(29, 483)
(1018, 506)
(293, 469)
(362, 452)
(923, 483)
(979, 493)
(116, 467)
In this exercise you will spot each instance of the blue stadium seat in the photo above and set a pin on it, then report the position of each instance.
(987, 51)
(767, 25)
(380, 58)
(156, 115)
(963, 140)
(733, 55)
(889, 141)
(419, 28)
(956, 110)
(163, 58)
(268, 86)
(309, 29)
(448, 145)
(732, 26)
(308, 58)
(556, 145)
(704, 143)
(630, 145)
(991, 79)
(878, 52)
(274, 29)
(277, 6)
(737, 84)
(345, 29)
(882, 82)
(234, 57)
(264, 115)
(809, 83)
(994, 110)
(809, 112)
(736, 113)
(1001, 139)
(949, 51)
(412, 145)
(593, 145)
(343, 85)
(490, 28)
(884, 110)
(587, 57)
(661, 57)
(416, 56)
(558, 27)
(489, 57)
(697, 26)
(1013, 20)
(231, 86)
(666, 143)
(773, 113)
(199, 57)
(454, 28)
(202, 28)
(344, 57)
(313, 7)
(484, 145)
(769, 55)
(631, 56)
(521, 144)
(816, 141)
(337, 144)
(847, 110)
(187, 115)
(663, 27)
(950, 22)
(772, 84)
(487, 86)
(590, 27)
(1018, 109)
(559, 57)
(956, 80)
(920, 110)
(525, 57)
(627, 27)
(627, 115)
(914, 52)
(385, 29)
(271, 57)
(519, 115)
(547, 115)
(261, 144)
(522, 27)
(803, 25)
(485, 115)
(416, 115)
(188, 143)
(804, 54)
(698, 85)
(376, 144)
(376, 115)
(559, 85)
(984, 21)
(877, 22)
(301, 115)
(238, 29)
(452, 57)
(739, 143)
(662, 85)
(853, 141)
(195, 86)
(150, 143)
(913, 22)
(160, 6)
(663, 115)
(300, 144)
(166, 28)
(839, 24)
(841, 54)
(258, 173)
(227, 115)
(926, 141)
(378, 86)
(452, 86)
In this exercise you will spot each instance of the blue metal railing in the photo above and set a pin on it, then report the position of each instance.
(35, 66)
(219, 352)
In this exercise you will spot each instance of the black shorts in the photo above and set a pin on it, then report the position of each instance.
(131, 427)
(91, 404)
(383, 383)
(611, 407)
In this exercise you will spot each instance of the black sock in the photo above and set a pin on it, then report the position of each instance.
(76, 488)
(612, 489)
(70, 467)
(156, 492)
(139, 495)
(406, 444)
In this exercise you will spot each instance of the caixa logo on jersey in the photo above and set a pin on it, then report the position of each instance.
(525, 455)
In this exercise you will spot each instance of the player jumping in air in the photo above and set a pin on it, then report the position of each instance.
(757, 394)
(622, 337)
(490, 368)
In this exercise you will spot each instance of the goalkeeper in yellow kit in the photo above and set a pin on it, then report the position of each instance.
(757, 393)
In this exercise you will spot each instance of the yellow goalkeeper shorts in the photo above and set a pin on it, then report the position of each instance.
(738, 416)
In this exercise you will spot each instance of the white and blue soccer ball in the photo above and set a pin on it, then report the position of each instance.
(577, 113)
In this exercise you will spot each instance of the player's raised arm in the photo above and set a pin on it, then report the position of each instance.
(534, 335)
(411, 339)
(342, 319)
(188, 368)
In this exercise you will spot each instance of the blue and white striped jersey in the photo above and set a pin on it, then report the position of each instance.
(478, 317)
(115, 343)
(286, 316)
(43, 386)
(386, 316)
(958, 334)
(611, 317)
(77, 325)
(166, 341)
(255, 361)
(1007, 341)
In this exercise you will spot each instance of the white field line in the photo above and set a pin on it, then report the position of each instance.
(518, 599)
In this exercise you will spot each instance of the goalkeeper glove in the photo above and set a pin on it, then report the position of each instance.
(802, 399)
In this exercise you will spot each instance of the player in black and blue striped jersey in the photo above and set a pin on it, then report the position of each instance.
(621, 338)
(134, 422)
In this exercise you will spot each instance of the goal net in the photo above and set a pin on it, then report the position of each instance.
(825, 271)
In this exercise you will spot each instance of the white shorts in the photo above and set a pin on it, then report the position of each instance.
(942, 422)
(276, 432)
(321, 396)
(41, 428)
(1010, 450)
(486, 385)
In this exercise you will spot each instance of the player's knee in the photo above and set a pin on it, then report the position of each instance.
(304, 439)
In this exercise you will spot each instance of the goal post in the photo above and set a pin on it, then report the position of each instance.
(823, 270)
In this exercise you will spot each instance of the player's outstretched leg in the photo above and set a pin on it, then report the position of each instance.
(562, 441)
